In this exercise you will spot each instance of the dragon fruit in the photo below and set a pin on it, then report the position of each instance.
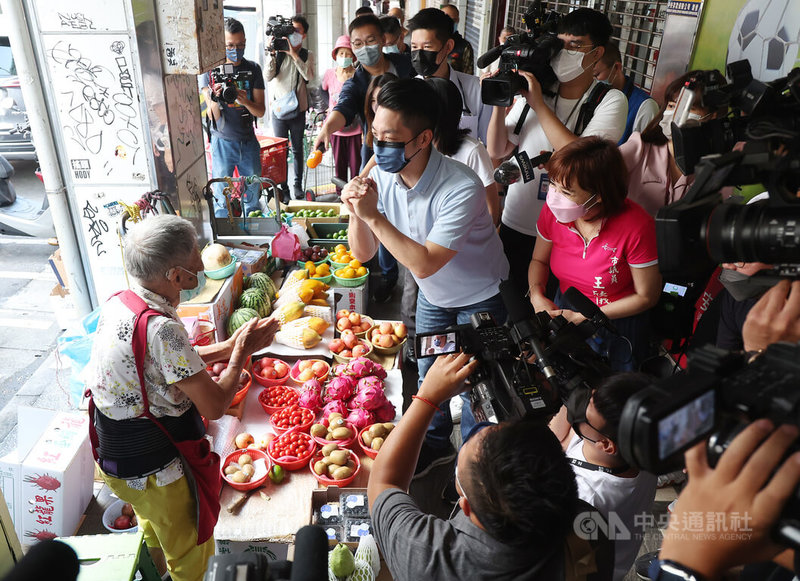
(369, 381)
(369, 398)
(360, 418)
(341, 387)
(362, 367)
(314, 385)
(385, 412)
(340, 369)
(310, 399)
(336, 405)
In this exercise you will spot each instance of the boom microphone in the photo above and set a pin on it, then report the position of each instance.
(310, 555)
(490, 56)
(525, 324)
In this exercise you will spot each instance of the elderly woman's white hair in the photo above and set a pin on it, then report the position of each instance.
(156, 244)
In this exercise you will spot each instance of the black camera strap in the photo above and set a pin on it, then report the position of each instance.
(597, 467)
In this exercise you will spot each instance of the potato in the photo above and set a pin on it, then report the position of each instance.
(366, 437)
(331, 469)
(376, 444)
(389, 426)
(245, 459)
(377, 430)
(340, 457)
(231, 468)
(342, 433)
(248, 470)
(351, 464)
(342, 472)
(239, 477)
(328, 448)
(320, 467)
(319, 430)
(327, 460)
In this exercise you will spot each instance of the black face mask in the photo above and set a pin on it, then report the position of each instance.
(424, 62)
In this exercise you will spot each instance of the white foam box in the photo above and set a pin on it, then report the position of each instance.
(353, 299)
(57, 478)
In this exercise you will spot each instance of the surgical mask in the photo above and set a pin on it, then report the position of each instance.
(391, 49)
(743, 286)
(391, 155)
(234, 54)
(296, 39)
(424, 62)
(666, 123)
(189, 294)
(565, 210)
(608, 79)
(697, 117)
(437, 342)
(568, 67)
(344, 61)
(368, 55)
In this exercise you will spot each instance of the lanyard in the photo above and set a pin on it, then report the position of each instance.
(555, 107)
(596, 467)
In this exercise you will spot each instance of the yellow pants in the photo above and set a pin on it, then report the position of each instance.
(167, 516)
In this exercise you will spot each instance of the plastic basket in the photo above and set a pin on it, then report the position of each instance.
(351, 282)
(273, 158)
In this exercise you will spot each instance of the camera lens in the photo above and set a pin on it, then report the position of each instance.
(229, 94)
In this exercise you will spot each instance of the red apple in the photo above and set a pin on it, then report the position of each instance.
(386, 328)
(320, 368)
(305, 375)
(354, 318)
(243, 440)
(400, 330)
(349, 338)
(342, 314)
(346, 353)
(385, 341)
(359, 350)
(281, 368)
(122, 522)
(218, 368)
(336, 345)
(305, 364)
(343, 323)
(395, 339)
(365, 325)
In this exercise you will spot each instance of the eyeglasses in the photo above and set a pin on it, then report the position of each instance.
(573, 47)
(235, 46)
(194, 274)
(359, 43)
(579, 431)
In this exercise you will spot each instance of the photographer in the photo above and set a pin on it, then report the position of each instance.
(588, 430)
(539, 123)
(430, 212)
(515, 498)
(288, 80)
(233, 139)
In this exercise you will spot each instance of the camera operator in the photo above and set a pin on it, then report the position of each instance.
(431, 42)
(516, 492)
(430, 212)
(641, 108)
(494, 66)
(537, 123)
(588, 430)
(287, 76)
(752, 480)
(233, 139)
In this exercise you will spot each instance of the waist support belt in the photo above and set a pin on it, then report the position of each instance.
(136, 447)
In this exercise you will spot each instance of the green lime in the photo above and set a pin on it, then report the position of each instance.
(276, 474)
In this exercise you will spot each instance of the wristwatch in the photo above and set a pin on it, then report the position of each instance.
(666, 570)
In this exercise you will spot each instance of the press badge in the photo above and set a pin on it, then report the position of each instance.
(544, 185)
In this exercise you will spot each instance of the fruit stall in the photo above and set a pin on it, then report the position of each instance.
(313, 409)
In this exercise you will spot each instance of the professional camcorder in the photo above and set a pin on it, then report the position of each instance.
(530, 51)
(279, 28)
(506, 385)
(232, 81)
(699, 231)
(715, 400)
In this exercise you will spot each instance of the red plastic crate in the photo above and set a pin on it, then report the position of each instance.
(273, 158)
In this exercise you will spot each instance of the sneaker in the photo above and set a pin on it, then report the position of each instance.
(409, 357)
(455, 408)
(298, 193)
(642, 565)
(382, 293)
(431, 457)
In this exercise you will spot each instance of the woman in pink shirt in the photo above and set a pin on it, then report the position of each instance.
(654, 179)
(345, 143)
(596, 240)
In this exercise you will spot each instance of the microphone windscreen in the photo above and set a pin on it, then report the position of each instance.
(518, 308)
(310, 555)
(51, 560)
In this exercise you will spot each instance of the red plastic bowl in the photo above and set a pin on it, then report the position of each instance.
(300, 427)
(366, 449)
(342, 443)
(291, 462)
(256, 369)
(270, 409)
(242, 392)
(295, 371)
(256, 455)
(324, 479)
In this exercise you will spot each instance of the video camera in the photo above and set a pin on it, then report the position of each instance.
(279, 28)
(765, 116)
(506, 385)
(715, 400)
(233, 80)
(530, 51)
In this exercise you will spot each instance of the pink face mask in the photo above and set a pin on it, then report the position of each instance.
(563, 209)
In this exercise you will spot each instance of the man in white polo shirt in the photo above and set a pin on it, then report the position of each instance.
(430, 212)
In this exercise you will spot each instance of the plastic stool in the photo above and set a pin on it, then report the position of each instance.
(113, 556)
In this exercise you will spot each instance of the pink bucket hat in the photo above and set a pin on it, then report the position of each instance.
(341, 42)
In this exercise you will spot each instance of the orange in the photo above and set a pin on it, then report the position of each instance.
(361, 271)
(349, 273)
(355, 263)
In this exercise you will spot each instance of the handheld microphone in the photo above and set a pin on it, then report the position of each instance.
(489, 56)
(525, 324)
(310, 554)
(46, 560)
(581, 303)
(338, 182)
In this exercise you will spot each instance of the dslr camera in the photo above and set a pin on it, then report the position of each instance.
(279, 29)
(716, 399)
(530, 51)
(506, 385)
(232, 81)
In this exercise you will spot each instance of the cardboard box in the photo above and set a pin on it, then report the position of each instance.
(273, 551)
(351, 298)
(252, 258)
(57, 478)
(218, 310)
(295, 205)
(58, 268)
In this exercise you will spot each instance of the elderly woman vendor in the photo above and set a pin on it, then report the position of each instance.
(138, 461)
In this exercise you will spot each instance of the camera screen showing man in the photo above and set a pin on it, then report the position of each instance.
(686, 424)
(441, 344)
